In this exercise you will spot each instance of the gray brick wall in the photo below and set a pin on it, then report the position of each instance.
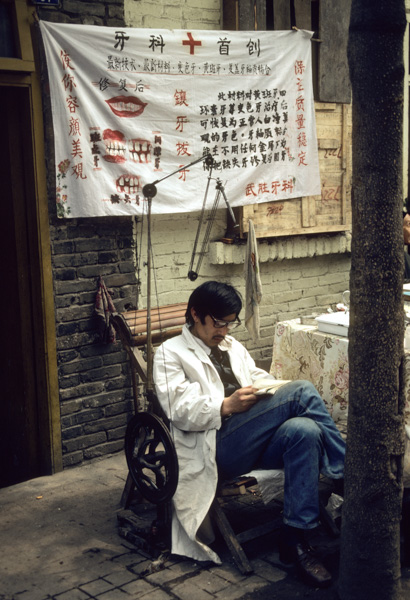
(98, 12)
(95, 393)
(94, 380)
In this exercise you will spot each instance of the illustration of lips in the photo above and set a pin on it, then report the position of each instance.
(126, 106)
(114, 146)
(140, 150)
(128, 184)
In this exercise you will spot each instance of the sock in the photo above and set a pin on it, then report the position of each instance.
(292, 535)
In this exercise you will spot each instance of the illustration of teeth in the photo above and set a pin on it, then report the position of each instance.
(128, 184)
(115, 149)
(123, 106)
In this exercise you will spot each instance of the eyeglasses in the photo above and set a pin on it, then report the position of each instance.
(219, 323)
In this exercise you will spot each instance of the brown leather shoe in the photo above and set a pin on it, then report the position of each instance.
(308, 565)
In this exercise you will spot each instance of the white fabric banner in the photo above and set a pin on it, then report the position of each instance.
(133, 107)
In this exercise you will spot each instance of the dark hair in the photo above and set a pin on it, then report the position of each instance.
(213, 298)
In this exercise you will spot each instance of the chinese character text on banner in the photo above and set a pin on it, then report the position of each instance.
(131, 106)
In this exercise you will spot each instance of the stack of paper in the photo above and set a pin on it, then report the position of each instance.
(336, 323)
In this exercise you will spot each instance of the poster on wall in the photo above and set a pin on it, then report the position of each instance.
(133, 107)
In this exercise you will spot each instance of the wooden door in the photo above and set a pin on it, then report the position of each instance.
(19, 424)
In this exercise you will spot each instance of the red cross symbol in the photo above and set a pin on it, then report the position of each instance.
(191, 43)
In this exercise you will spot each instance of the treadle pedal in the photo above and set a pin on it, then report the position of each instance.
(237, 486)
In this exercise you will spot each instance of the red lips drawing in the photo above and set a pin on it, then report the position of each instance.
(126, 106)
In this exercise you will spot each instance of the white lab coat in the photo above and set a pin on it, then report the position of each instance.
(191, 393)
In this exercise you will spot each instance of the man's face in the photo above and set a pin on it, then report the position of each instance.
(207, 332)
(406, 229)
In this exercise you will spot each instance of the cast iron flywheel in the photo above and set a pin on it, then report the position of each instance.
(151, 457)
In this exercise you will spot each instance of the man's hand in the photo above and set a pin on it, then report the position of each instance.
(240, 401)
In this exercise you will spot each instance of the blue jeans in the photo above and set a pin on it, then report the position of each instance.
(291, 429)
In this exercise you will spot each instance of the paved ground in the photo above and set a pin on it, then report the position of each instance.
(60, 541)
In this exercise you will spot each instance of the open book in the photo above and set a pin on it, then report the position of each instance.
(268, 385)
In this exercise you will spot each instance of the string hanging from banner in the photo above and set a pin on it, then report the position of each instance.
(150, 191)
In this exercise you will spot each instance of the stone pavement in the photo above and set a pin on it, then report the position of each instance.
(60, 541)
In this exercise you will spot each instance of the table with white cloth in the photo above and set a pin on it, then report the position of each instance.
(303, 352)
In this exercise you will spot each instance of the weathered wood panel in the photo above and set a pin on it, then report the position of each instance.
(246, 15)
(230, 17)
(329, 212)
(260, 24)
(333, 70)
(281, 15)
(303, 14)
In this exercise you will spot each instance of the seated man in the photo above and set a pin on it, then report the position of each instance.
(204, 380)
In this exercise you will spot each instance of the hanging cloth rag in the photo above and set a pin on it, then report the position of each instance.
(253, 285)
(104, 307)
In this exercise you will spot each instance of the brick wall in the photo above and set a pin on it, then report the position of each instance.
(95, 394)
(94, 12)
(174, 14)
(94, 380)
(300, 275)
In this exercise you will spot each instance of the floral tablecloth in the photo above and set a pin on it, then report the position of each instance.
(302, 352)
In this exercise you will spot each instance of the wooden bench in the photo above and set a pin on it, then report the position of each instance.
(131, 326)
(167, 321)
